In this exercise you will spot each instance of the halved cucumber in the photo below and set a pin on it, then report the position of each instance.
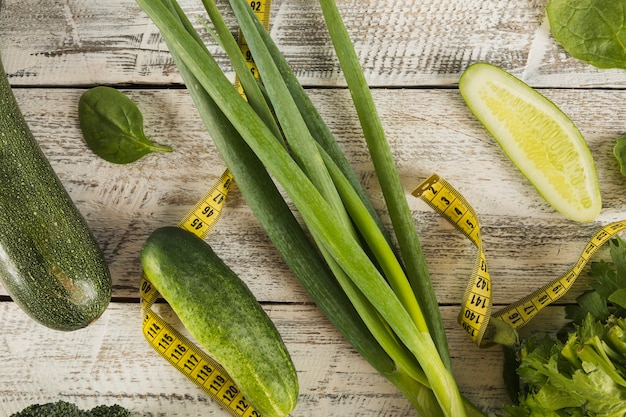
(537, 137)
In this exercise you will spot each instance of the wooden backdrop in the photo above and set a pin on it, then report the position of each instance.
(413, 53)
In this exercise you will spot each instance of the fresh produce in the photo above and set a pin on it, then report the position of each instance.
(112, 126)
(397, 326)
(590, 30)
(582, 372)
(607, 296)
(583, 376)
(619, 151)
(66, 409)
(51, 265)
(221, 313)
(537, 137)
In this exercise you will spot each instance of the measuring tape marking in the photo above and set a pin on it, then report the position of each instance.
(452, 205)
(188, 359)
(171, 345)
(204, 215)
(520, 312)
(175, 348)
(476, 305)
(262, 10)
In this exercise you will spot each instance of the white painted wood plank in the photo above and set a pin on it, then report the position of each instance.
(110, 362)
(400, 42)
(526, 242)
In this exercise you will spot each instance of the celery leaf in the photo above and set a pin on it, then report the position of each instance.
(607, 295)
(561, 380)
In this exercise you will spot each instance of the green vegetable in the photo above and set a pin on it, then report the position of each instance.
(583, 371)
(221, 313)
(619, 151)
(297, 250)
(112, 126)
(591, 30)
(50, 263)
(605, 298)
(302, 162)
(538, 138)
(66, 409)
(393, 192)
(114, 410)
(582, 377)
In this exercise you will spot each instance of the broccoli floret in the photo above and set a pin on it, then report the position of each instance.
(65, 409)
(109, 411)
(57, 409)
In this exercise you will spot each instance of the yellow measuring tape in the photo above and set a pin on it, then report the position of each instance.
(475, 315)
(475, 312)
(174, 347)
(262, 9)
(453, 207)
(201, 219)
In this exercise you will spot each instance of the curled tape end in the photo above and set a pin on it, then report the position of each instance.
(425, 185)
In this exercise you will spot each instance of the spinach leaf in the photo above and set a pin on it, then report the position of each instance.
(112, 126)
(619, 151)
(593, 31)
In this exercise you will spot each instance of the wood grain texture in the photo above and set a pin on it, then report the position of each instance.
(401, 43)
(412, 55)
(527, 243)
(110, 362)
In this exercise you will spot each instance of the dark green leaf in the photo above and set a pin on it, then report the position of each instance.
(618, 255)
(509, 373)
(591, 30)
(619, 298)
(608, 283)
(588, 303)
(619, 151)
(112, 126)
(604, 279)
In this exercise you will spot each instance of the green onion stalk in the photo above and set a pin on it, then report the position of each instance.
(380, 297)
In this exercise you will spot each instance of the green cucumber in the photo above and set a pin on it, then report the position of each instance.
(50, 263)
(540, 140)
(223, 316)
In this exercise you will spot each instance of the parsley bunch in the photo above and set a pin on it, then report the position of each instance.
(581, 372)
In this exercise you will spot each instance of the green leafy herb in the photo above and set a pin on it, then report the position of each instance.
(608, 288)
(619, 151)
(583, 376)
(112, 126)
(593, 31)
(583, 371)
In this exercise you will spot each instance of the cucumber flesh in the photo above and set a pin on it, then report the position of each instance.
(538, 138)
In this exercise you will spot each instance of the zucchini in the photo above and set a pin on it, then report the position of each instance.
(223, 316)
(50, 263)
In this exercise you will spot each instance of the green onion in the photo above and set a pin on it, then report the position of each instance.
(349, 267)
(388, 177)
(254, 93)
